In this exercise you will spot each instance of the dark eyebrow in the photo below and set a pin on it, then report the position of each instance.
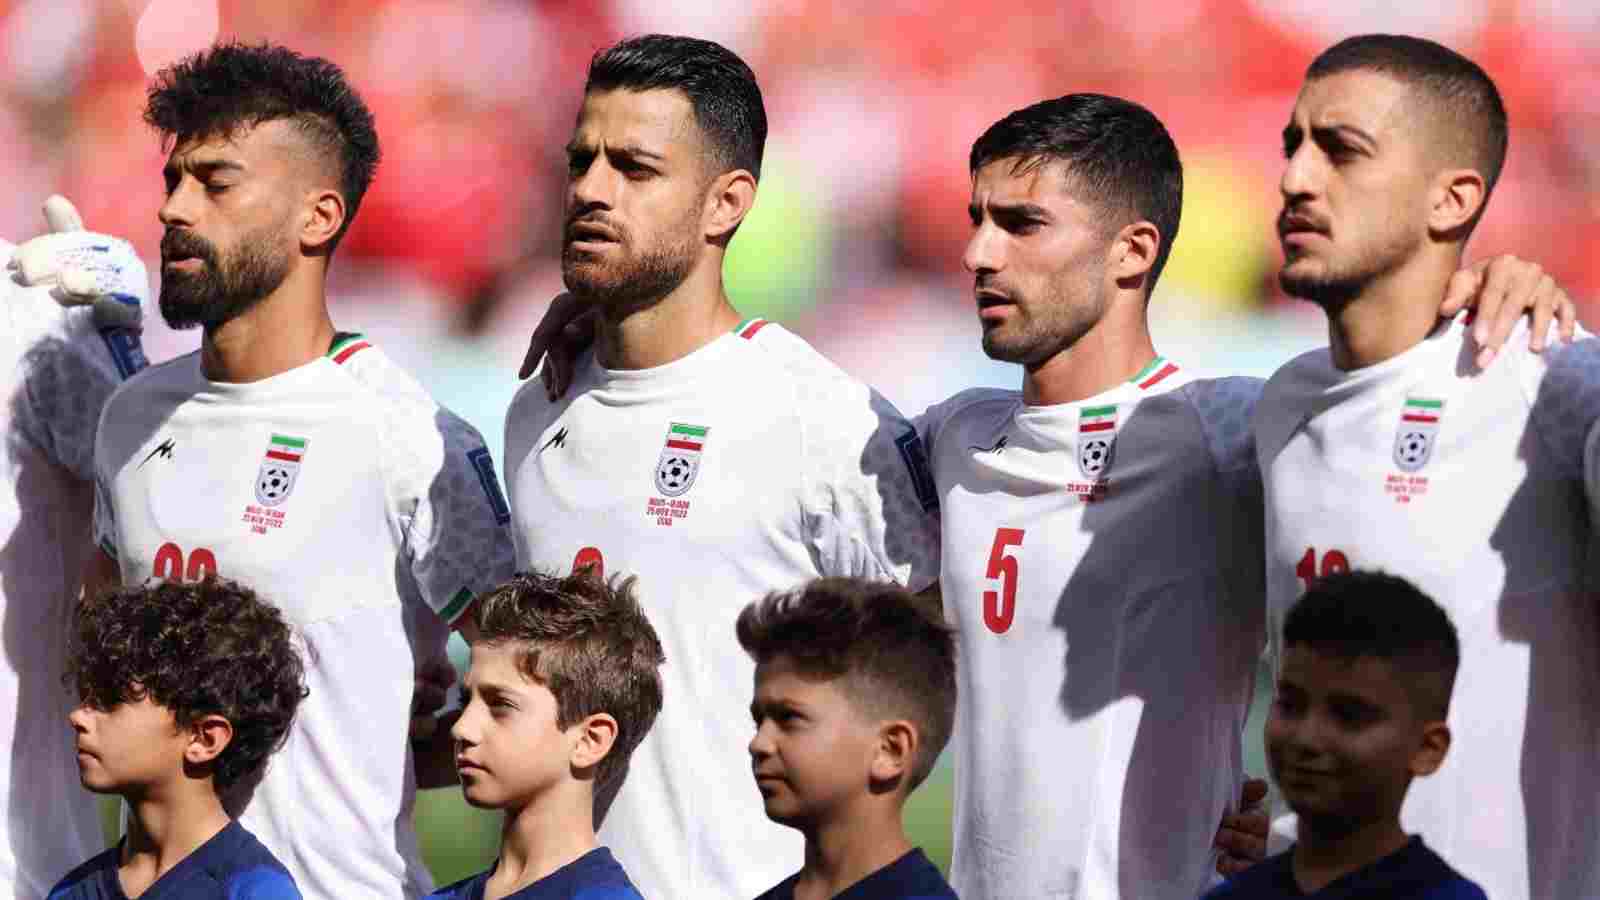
(1011, 210)
(634, 151)
(1344, 133)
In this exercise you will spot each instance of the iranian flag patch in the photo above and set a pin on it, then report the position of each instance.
(679, 463)
(1097, 431)
(279, 469)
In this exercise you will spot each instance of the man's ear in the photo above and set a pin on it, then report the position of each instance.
(1455, 198)
(594, 738)
(321, 220)
(1431, 750)
(1133, 253)
(209, 735)
(729, 198)
(895, 756)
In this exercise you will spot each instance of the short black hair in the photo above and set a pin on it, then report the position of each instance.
(1466, 112)
(1118, 156)
(720, 86)
(893, 651)
(199, 648)
(1351, 615)
(589, 643)
(233, 86)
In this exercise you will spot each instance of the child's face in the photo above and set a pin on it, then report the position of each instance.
(812, 752)
(1344, 738)
(134, 744)
(508, 748)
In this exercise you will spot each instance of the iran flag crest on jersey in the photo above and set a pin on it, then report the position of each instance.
(279, 469)
(1419, 425)
(1097, 433)
(680, 459)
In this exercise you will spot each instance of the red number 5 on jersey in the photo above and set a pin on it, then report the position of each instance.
(1000, 607)
(169, 564)
(1333, 563)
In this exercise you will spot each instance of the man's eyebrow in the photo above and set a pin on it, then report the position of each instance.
(1344, 131)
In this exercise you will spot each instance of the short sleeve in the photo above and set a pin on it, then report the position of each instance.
(1564, 388)
(66, 380)
(455, 517)
(262, 883)
(871, 506)
(105, 519)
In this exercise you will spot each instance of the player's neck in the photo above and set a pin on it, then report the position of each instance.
(541, 837)
(841, 853)
(1323, 856)
(166, 823)
(1110, 353)
(1393, 313)
(696, 313)
(285, 331)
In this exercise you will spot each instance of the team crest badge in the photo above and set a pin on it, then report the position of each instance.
(279, 469)
(680, 459)
(1414, 439)
(1097, 437)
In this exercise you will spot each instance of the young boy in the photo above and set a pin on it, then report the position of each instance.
(184, 691)
(855, 695)
(1364, 684)
(564, 684)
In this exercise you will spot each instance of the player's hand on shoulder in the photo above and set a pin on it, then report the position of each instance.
(84, 268)
(566, 330)
(1242, 836)
(1502, 290)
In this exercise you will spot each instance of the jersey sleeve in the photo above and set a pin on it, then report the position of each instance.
(262, 883)
(1563, 387)
(870, 505)
(66, 377)
(453, 513)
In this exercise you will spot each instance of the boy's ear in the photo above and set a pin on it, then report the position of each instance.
(209, 735)
(595, 736)
(1431, 750)
(896, 753)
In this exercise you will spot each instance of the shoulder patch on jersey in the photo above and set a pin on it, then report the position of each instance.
(915, 456)
(483, 464)
(127, 353)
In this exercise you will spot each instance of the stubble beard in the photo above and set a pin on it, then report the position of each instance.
(1037, 339)
(636, 281)
(1334, 287)
(226, 286)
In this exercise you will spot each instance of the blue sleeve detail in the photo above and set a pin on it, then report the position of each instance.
(915, 456)
(484, 464)
(125, 349)
(262, 883)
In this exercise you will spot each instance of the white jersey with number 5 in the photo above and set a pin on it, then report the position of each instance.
(342, 494)
(1102, 567)
(746, 467)
(1480, 488)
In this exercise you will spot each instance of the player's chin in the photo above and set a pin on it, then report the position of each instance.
(480, 790)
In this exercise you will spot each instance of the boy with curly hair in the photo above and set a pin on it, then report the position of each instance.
(184, 690)
(564, 684)
(855, 695)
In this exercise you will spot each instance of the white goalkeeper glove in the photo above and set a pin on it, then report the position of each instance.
(84, 268)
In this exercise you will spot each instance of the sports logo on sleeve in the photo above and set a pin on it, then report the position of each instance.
(915, 455)
(1414, 439)
(483, 463)
(279, 469)
(680, 459)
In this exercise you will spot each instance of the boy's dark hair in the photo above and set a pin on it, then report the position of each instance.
(1360, 614)
(199, 648)
(233, 86)
(1117, 154)
(588, 642)
(720, 87)
(1459, 101)
(893, 652)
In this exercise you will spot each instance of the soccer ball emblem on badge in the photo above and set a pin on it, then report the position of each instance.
(674, 474)
(274, 484)
(679, 461)
(1411, 450)
(1094, 457)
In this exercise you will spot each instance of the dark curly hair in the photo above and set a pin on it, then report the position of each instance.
(203, 648)
(893, 652)
(233, 86)
(588, 642)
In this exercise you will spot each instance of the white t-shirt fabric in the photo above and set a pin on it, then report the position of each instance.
(1480, 487)
(58, 371)
(741, 469)
(1102, 569)
(341, 493)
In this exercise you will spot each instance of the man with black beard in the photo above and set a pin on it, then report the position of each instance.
(714, 468)
(295, 458)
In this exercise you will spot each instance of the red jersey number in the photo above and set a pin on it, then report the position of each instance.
(1334, 562)
(1000, 606)
(170, 565)
(590, 558)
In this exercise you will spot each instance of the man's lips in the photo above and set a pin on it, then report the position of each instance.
(466, 765)
(992, 304)
(1295, 224)
(591, 233)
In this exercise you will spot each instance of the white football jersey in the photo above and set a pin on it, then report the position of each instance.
(1480, 488)
(341, 493)
(1102, 569)
(58, 372)
(735, 471)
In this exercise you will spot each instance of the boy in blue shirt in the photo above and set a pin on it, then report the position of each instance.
(855, 695)
(184, 691)
(1367, 667)
(564, 684)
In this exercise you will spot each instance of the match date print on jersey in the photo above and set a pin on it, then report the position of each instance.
(259, 518)
(664, 510)
(1404, 487)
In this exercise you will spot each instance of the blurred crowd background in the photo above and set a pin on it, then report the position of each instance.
(860, 221)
